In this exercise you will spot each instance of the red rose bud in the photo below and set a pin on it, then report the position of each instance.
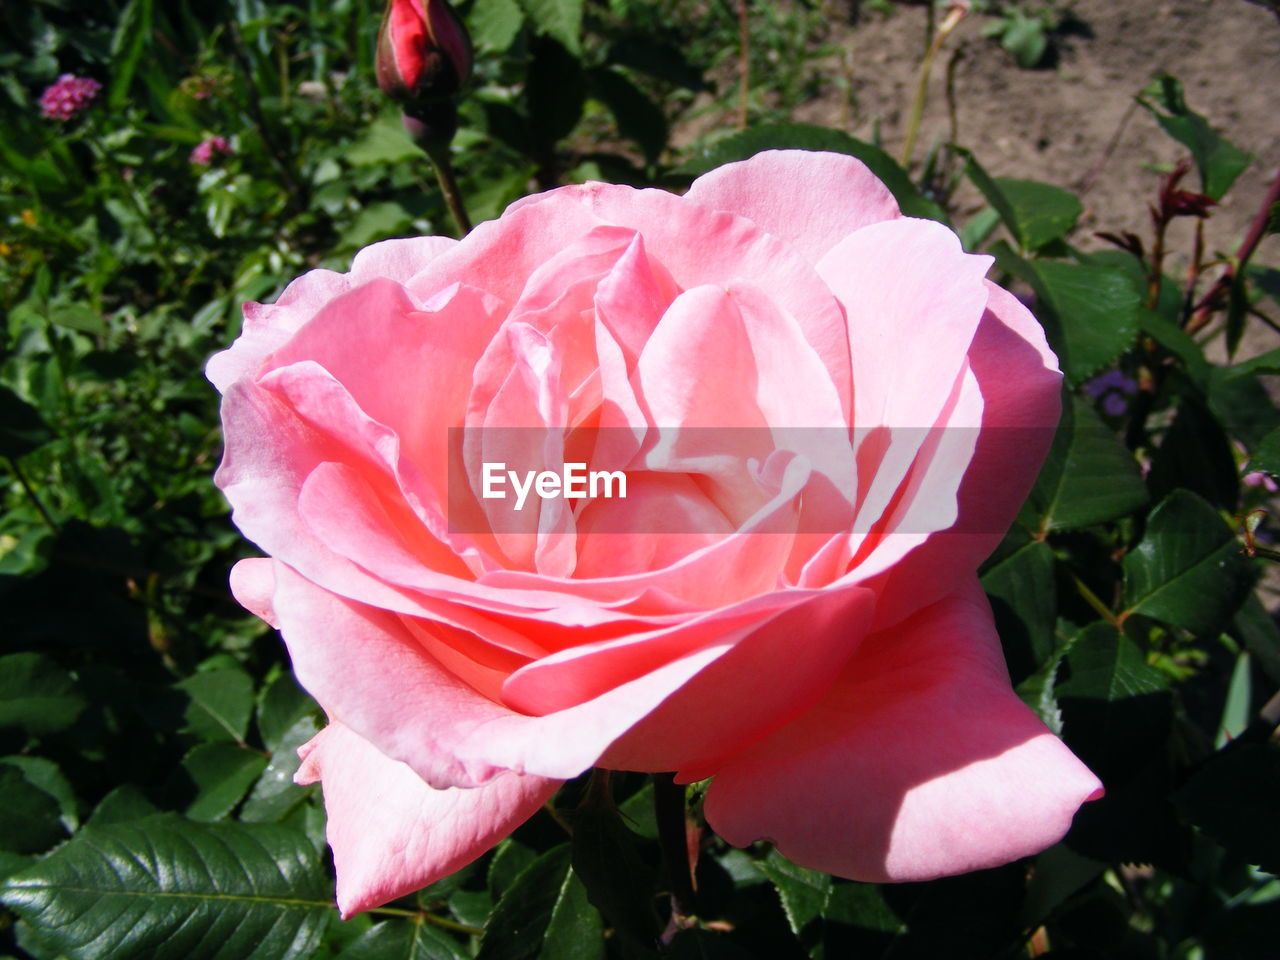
(424, 53)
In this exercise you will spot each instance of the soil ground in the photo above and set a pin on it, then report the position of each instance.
(1073, 123)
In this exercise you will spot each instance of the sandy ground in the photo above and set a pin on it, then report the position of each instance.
(1073, 123)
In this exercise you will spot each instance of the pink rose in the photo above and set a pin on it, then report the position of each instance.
(801, 624)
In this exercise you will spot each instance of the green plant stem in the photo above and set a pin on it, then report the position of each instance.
(949, 22)
(32, 495)
(442, 922)
(558, 817)
(449, 187)
(1092, 600)
(669, 811)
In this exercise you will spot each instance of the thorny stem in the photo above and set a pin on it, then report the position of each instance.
(1257, 230)
(1157, 262)
(673, 836)
(439, 155)
(32, 495)
(954, 15)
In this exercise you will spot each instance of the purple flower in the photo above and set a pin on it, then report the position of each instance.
(1113, 388)
(205, 150)
(1111, 380)
(71, 94)
(1115, 404)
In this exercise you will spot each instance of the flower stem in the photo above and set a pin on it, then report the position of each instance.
(673, 836)
(949, 22)
(439, 154)
(32, 495)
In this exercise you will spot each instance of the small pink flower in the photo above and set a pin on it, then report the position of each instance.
(71, 94)
(1257, 478)
(204, 151)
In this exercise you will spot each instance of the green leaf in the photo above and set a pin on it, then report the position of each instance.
(558, 19)
(1236, 711)
(620, 881)
(121, 805)
(978, 227)
(1178, 342)
(1025, 38)
(1219, 161)
(127, 47)
(1114, 705)
(1089, 476)
(1253, 626)
(510, 859)
(801, 136)
(1034, 212)
(221, 704)
(1090, 313)
(46, 775)
(22, 429)
(30, 818)
(555, 92)
(404, 940)
(493, 24)
(384, 142)
(1195, 454)
(1234, 798)
(805, 893)
(544, 916)
(1024, 599)
(575, 930)
(275, 795)
(77, 316)
(168, 889)
(666, 61)
(378, 221)
(37, 695)
(1267, 455)
(1059, 872)
(1188, 570)
(1242, 404)
(222, 774)
(281, 704)
(639, 119)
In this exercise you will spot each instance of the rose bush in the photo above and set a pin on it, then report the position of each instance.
(803, 624)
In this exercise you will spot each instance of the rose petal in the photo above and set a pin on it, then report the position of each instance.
(698, 245)
(1020, 383)
(920, 762)
(811, 200)
(392, 834)
(367, 669)
(268, 326)
(253, 581)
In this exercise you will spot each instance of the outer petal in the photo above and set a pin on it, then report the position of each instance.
(811, 200)
(392, 834)
(920, 762)
(370, 670)
(1020, 383)
(268, 326)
